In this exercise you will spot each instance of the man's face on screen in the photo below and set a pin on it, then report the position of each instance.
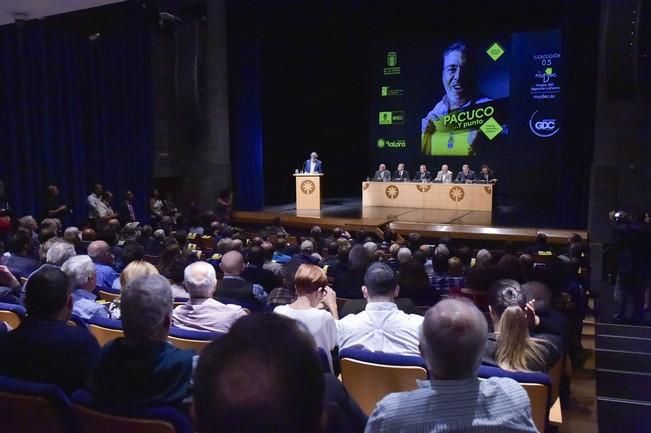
(454, 78)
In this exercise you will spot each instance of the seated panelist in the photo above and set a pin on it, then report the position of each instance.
(466, 175)
(486, 175)
(444, 175)
(423, 175)
(401, 175)
(382, 174)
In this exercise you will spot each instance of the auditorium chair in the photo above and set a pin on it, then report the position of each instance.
(109, 295)
(370, 376)
(12, 314)
(95, 418)
(251, 307)
(30, 407)
(180, 301)
(341, 302)
(105, 330)
(538, 387)
(191, 339)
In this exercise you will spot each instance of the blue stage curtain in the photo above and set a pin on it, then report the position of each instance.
(245, 96)
(74, 111)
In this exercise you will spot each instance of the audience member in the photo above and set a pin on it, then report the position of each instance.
(511, 347)
(234, 288)
(21, 262)
(9, 286)
(142, 368)
(59, 252)
(312, 288)
(254, 271)
(286, 293)
(381, 327)
(202, 312)
(100, 252)
(348, 272)
(269, 263)
(415, 285)
(245, 384)
(81, 272)
(452, 340)
(44, 348)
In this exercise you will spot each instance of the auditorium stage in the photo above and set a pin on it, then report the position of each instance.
(460, 224)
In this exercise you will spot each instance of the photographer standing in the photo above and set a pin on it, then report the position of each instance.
(632, 238)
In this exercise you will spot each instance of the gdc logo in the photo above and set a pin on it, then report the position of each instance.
(543, 128)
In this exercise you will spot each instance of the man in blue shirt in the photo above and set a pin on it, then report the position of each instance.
(44, 348)
(101, 254)
(452, 340)
(81, 271)
(143, 368)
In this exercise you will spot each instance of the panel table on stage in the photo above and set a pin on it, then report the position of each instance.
(428, 195)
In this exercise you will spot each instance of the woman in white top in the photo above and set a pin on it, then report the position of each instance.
(312, 288)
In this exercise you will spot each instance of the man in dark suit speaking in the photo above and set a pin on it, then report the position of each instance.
(313, 165)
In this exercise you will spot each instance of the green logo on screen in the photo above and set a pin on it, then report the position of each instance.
(392, 67)
(392, 117)
(380, 143)
(495, 51)
(491, 128)
(391, 91)
(392, 58)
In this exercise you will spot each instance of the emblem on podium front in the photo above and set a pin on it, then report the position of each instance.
(392, 192)
(457, 193)
(308, 187)
(366, 184)
(423, 187)
(488, 189)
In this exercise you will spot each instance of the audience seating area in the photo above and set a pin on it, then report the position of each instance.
(368, 376)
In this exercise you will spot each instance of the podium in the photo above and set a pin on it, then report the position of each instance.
(308, 191)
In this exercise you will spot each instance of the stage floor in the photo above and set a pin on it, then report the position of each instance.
(352, 208)
(349, 213)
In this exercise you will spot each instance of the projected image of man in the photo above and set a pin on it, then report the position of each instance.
(460, 94)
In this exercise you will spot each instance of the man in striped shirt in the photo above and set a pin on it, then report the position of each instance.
(452, 339)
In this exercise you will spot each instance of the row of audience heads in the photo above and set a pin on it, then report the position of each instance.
(245, 373)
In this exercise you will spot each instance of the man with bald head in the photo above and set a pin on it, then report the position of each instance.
(101, 254)
(444, 175)
(382, 174)
(452, 339)
(234, 288)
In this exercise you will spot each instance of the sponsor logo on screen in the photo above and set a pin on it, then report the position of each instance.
(495, 51)
(391, 91)
(392, 117)
(392, 67)
(398, 143)
(543, 127)
(545, 84)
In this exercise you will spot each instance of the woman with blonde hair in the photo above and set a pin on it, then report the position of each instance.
(136, 269)
(511, 347)
(133, 271)
(312, 289)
